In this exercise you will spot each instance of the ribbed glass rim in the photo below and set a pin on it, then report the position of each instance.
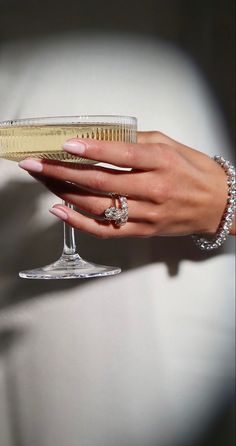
(77, 119)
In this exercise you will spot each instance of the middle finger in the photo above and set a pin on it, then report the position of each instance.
(94, 178)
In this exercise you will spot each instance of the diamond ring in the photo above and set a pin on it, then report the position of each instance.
(119, 215)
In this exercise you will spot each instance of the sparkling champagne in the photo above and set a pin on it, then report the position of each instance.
(45, 141)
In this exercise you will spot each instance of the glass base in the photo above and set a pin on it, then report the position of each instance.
(70, 267)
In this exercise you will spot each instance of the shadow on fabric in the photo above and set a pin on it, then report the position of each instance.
(25, 245)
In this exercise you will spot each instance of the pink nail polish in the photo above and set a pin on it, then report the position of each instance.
(31, 165)
(59, 213)
(74, 146)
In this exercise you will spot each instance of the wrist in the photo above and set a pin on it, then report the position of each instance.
(228, 218)
(218, 198)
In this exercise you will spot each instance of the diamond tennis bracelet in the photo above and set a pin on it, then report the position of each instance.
(228, 216)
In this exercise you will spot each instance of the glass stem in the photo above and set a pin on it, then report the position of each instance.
(69, 248)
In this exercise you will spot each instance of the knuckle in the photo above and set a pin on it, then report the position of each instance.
(50, 172)
(155, 134)
(98, 150)
(131, 155)
(161, 192)
(58, 170)
(164, 192)
(99, 180)
(96, 209)
(168, 156)
(73, 222)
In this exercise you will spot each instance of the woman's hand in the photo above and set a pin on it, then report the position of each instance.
(171, 189)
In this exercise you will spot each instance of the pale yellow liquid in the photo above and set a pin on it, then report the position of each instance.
(45, 141)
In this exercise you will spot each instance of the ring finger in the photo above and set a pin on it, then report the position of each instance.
(97, 204)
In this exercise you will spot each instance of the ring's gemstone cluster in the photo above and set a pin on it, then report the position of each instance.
(119, 215)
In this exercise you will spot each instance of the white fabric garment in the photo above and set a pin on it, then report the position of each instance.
(139, 359)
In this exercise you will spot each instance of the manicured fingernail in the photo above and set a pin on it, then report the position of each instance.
(59, 213)
(32, 165)
(74, 146)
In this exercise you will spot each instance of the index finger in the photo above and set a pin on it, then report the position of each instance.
(135, 156)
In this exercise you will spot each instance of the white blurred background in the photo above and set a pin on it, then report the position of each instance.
(145, 358)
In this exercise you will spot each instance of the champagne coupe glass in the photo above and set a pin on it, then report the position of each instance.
(43, 138)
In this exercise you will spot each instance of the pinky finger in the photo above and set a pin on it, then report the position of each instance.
(99, 228)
